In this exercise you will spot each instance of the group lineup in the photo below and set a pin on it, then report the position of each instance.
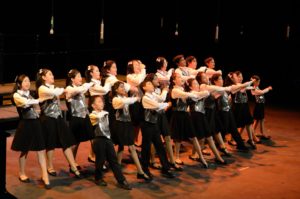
(184, 103)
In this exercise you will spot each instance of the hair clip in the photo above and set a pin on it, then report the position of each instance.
(89, 67)
(16, 78)
(158, 59)
(71, 71)
(104, 64)
(130, 63)
(41, 71)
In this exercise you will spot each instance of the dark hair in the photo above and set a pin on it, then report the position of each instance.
(106, 66)
(189, 59)
(18, 84)
(214, 78)
(88, 76)
(114, 89)
(71, 74)
(159, 62)
(150, 77)
(208, 59)
(177, 58)
(256, 77)
(130, 68)
(39, 79)
(188, 84)
(144, 84)
(228, 79)
(199, 77)
(93, 99)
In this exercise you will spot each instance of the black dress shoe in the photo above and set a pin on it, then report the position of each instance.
(220, 162)
(204, 165)
(144, 176)
(91, 160)
(47, 186)
(76, 173)
(252, 144)
(167, 174)
(100, 182)
(242, 149)
(124, 185)
(225, 152)
(25, 180)
(52, 172)
(176, 167)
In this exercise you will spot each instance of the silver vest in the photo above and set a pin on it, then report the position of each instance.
(241, 97)
(28, 112)
(197, 106)
(223, 102)
(102, 129)
(78, 107)
(180, 105)
(209, 102)
(123, 115)
(151, 116)
(51, 108)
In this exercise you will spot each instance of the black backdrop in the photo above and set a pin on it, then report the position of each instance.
(252, 37)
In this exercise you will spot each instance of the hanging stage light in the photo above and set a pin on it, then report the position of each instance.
(102, 32)
(52, 18)
(217, 33)
(288, 29)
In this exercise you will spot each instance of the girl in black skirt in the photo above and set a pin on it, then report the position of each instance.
(80, 124)
(57, 134)
(259, 108)
(199, 120)
(181, 125)
(123, 131)
(241, 109)
(29, 135)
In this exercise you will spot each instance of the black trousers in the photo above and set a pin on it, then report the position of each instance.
(104, 150)
(151, 134)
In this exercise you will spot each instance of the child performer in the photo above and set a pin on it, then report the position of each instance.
(102, 144)
(54, 126)
(29, 135)
(80, 123)
(259, 108)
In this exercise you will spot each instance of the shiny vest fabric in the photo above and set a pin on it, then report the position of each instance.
(28, 112)
(197, 106)
(102, 128)
(180, 105)
(51, 108)
(223, 103)
(241, 97)
(151, 116)
(78, 107)
(123, 115)
(209, 102)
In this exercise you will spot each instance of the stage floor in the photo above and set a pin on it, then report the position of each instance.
(271, 171)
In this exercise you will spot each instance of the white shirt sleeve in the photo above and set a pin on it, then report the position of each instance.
(99, 90)
(259, 92)
(22, 101)
(149, 103)
(48, 93)
(119, 102)
(136, 79)
(177, 93)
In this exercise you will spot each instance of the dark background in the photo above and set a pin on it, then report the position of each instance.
(252, 37)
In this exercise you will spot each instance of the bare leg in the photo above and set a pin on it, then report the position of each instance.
(169, 148)
(120, 154)
(220, 141)
(177, 151)
(22, 164)
(91, 154)
(70, 158)
(41, 155)
(50, 159)
(198, 150)
(135, 159)
(214, 149)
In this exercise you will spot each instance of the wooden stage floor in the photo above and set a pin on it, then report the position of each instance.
(271, 171)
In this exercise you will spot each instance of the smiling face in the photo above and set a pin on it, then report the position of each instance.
(48, 77)
(95, 73)
(148, 87)
(121, 90)
(25, 84)
(77, 80)
(178, 80)
(98, 104)
(113, 69)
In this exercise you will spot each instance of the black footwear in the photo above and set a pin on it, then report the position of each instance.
(204, 165)
(220, 162)
(144, 176)
(194, 158)
(77, 167)
(225, 152)
(242, 149)
(76, 173)
(124, 185)
(263, 137)
(26, 180)
(91, 160)
(155, 165)
(176, 167)
(47, 186)
(252, 144)
(100, 182)
(51, 172)
(167, 174)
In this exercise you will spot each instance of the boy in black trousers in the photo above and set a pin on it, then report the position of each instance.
(103, 146)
